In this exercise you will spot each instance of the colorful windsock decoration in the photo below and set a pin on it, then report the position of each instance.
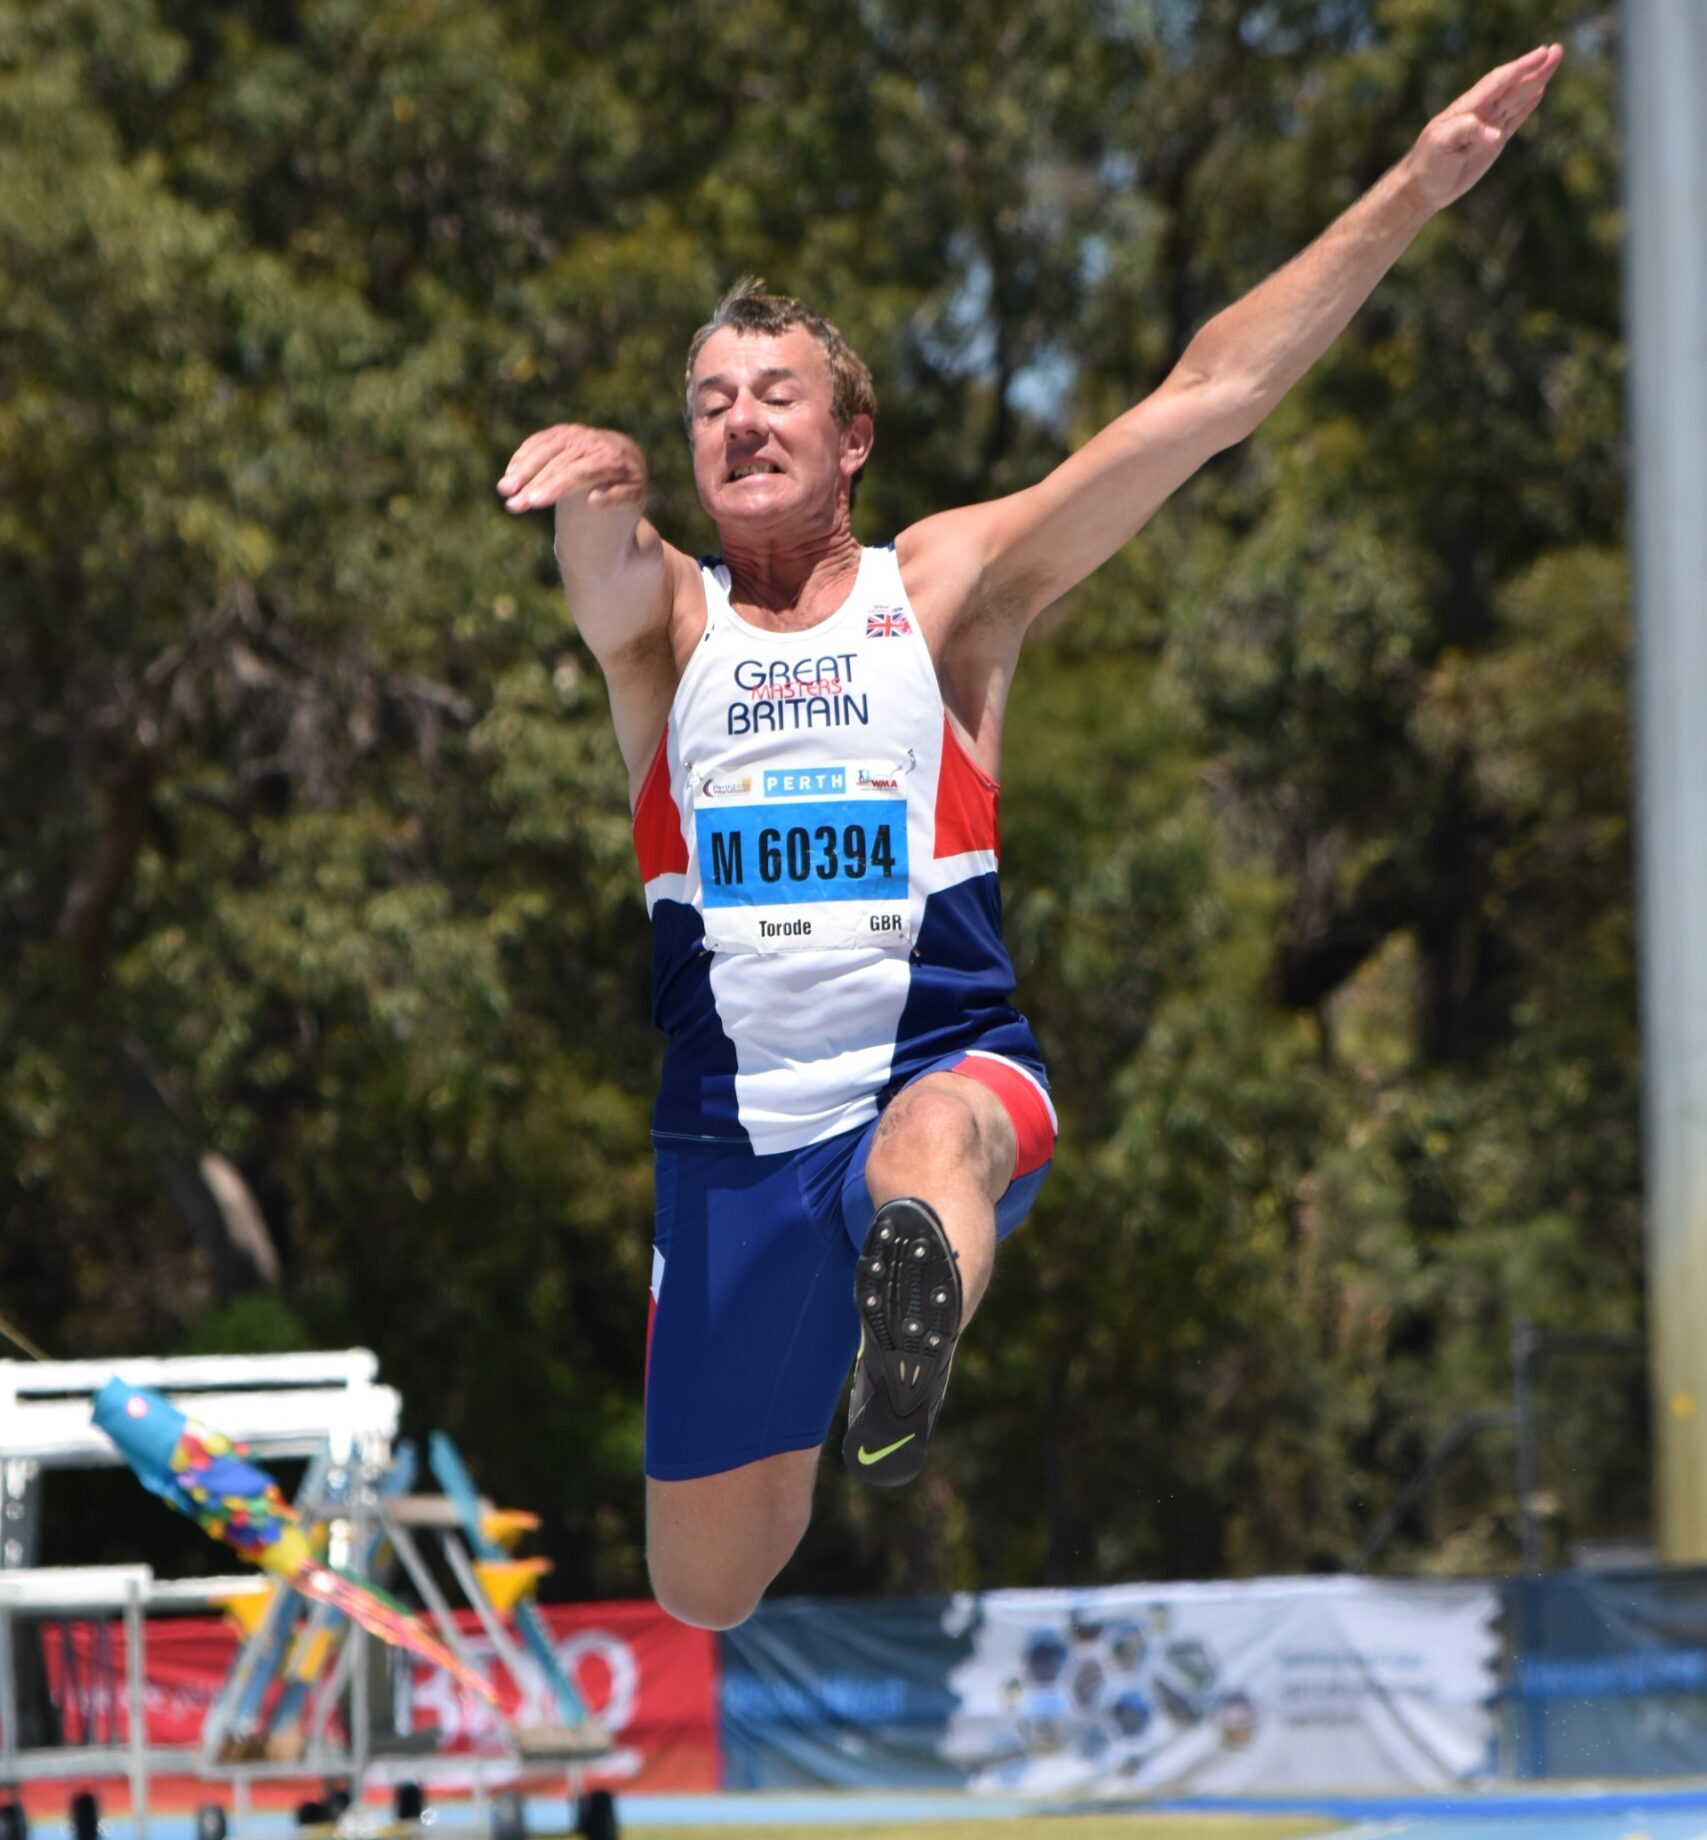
(202, 1474)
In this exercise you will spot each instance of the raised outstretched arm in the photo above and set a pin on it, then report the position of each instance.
(620, 576)
(1015, 555)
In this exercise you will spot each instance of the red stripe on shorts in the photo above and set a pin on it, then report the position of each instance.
(1034, 1127)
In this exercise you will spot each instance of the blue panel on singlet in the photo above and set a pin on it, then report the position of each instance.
(696, 1096)
(961, 981)
(803, 850)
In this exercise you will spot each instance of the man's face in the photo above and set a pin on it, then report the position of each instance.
(768, 453)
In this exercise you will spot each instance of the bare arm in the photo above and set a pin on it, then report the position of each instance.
(623, 581)
(1013, 556)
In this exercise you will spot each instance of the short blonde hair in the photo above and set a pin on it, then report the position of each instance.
(748, 308)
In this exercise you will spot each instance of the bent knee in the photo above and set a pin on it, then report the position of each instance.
(703, 1599)
(714, 1544)
(713, 1580)
(939, 1119)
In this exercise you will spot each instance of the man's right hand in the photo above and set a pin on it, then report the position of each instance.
(622, 579)
(568, 461)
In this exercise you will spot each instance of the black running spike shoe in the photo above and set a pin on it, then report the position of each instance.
(908, 1294)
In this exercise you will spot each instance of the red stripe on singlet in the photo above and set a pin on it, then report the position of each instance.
(967, 802)
(658, 839)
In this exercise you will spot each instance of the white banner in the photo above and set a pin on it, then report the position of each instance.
(1276, 1685)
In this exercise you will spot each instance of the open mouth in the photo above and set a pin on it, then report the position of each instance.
(754, 469)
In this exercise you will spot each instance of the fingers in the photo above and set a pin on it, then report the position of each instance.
(534, 449)
(567, 459)
(1492, 123)
(1516, 106)
(568, 473)
(1525, 112)
(535, 443)
(1497, 86)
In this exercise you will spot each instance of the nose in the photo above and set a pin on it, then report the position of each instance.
(744, 414)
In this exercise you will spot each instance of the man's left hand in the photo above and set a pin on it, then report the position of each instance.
(1465, 138)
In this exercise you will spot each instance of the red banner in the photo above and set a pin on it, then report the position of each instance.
(184, 1664)
(651, 1681)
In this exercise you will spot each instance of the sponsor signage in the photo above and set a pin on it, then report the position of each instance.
(1267, 1687)
(650, 1680)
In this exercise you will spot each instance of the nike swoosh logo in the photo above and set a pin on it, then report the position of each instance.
(869, 1457)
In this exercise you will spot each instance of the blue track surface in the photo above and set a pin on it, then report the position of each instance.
(1635, 1825)
(1623, 1813)
(1671, 1814)
(1626, 1814)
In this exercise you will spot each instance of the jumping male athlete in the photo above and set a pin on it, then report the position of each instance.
(851, 1114)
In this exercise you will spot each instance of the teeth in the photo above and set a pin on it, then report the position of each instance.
(747, 472)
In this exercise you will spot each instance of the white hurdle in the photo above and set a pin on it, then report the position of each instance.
(278, 1406)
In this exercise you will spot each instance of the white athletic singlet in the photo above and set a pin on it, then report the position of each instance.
(819, 855)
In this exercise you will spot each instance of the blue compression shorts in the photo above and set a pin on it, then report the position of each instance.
(753, 1325)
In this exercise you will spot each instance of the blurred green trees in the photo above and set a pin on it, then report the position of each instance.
(324, 1014)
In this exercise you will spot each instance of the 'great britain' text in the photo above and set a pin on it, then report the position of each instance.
(783, 698)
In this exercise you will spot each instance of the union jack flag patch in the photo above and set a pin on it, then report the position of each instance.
(887, 622)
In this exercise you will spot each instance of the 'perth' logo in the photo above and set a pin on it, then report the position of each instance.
(802, 782)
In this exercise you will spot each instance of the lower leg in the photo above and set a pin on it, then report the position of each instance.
(948, 1142)
(942, 1155)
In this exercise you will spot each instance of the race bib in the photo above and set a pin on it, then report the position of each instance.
(803, 859)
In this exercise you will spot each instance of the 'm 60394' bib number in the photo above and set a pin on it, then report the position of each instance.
(826, 860)
(782, 873)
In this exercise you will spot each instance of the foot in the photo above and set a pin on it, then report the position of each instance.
(908, 1295)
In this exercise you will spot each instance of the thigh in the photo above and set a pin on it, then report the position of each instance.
(753, 1326)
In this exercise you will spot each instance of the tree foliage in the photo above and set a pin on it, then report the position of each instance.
(324, 1014)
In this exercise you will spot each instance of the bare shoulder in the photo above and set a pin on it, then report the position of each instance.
(952, 567)
(943, 565)
(999, 564)
(974, 624)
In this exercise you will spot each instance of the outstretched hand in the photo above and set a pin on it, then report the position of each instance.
(569, 461)
(1467, 136)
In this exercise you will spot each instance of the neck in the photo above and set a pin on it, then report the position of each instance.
(790, 582)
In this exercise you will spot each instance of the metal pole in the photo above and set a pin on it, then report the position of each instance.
(136, 1692)
(1665, 121)
(1525, 1344)
(18, 1541)
(1471, 1425)
(456, 1556)
(9, 1742)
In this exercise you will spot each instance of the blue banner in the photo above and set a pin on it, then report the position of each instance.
(822, 1693)
(1608, 1674)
